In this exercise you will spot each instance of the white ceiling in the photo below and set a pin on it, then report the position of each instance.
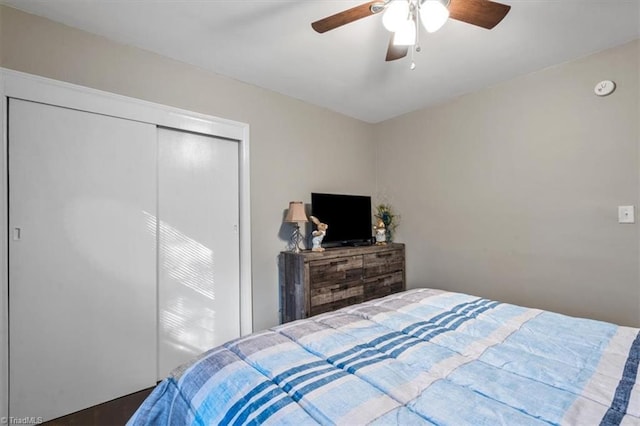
(270, 43)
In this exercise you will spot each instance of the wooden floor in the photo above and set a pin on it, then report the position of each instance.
(111, 413)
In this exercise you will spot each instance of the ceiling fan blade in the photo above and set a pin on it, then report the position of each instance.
(344, 17)
(483, 13)
(395, 52)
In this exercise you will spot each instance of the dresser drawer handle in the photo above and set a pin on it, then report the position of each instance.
(388, 254)
(338, 262)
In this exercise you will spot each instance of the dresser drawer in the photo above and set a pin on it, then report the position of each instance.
(383, 285)
(335, 296)
(383, 262)
(330, 271)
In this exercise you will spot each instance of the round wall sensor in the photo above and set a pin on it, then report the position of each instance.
(604, 88)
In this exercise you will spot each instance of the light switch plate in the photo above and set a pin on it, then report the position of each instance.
(626, 214)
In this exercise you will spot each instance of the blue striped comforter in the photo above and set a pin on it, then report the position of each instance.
(419, 357)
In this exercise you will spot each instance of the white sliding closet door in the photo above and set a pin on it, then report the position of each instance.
(82, 277)
(199, 251)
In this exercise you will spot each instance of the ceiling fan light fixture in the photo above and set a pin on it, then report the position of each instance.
(406, 34)
(433, 14)
(396, 15)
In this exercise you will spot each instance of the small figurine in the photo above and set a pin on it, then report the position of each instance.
(318, 234)
(381, 233)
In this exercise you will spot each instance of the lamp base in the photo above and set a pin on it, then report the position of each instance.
(295, 240)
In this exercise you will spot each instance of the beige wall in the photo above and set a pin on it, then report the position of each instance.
(512, 192)
(292, 143)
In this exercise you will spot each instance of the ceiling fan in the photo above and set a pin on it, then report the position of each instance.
(401, 18)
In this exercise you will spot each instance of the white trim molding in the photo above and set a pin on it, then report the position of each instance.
(4, 256)
(29, 87)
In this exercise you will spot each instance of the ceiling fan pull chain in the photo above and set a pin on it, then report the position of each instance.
(416, 48)
(413, 64)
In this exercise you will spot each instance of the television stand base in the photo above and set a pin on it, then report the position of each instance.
(357, 244)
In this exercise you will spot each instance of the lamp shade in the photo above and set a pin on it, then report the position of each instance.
(296, 212)
(433, 14)
(395, 15)
(406, 34)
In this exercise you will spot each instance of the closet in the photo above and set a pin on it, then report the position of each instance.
(124, 253)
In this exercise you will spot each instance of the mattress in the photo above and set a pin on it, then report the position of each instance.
(423, 356)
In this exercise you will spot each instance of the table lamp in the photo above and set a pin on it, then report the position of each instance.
(296, 215)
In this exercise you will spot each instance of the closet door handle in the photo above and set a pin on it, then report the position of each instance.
(17, 234)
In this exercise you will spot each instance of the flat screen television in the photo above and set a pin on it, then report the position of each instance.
(348, 217)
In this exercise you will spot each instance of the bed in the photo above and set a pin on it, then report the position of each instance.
(422, 356)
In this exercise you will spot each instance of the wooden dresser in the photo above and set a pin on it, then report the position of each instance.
(316, 282)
